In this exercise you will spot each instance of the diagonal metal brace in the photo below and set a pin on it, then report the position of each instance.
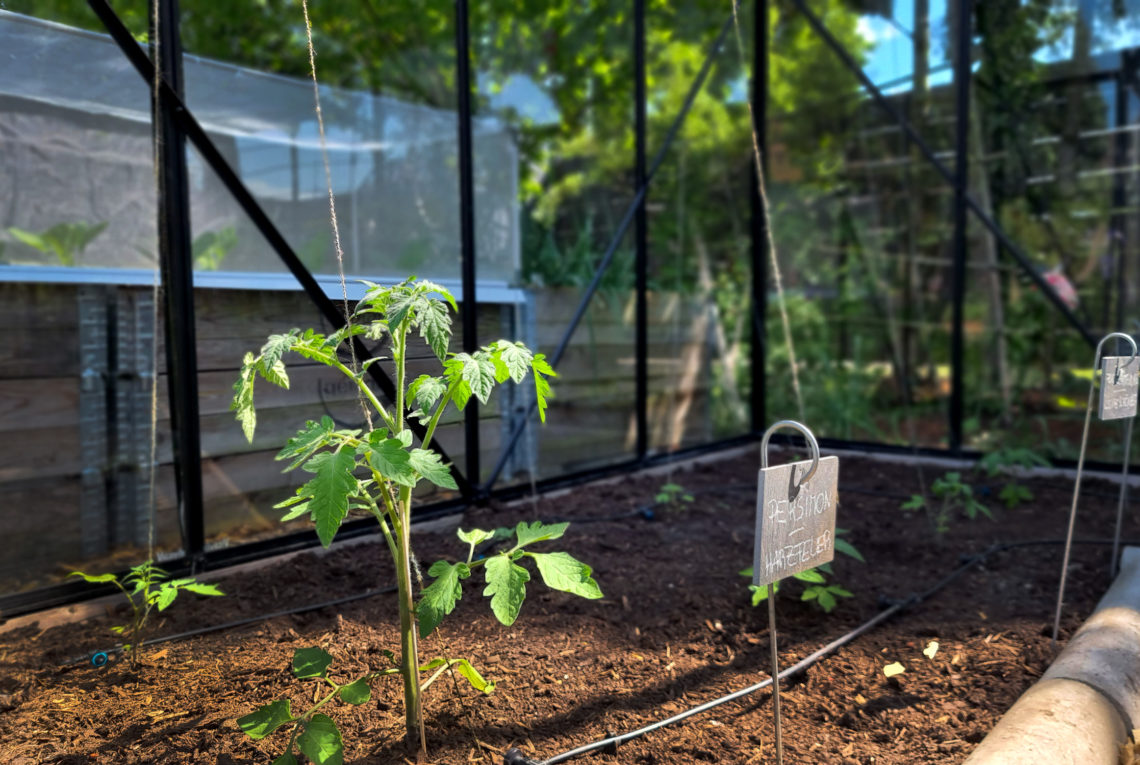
(983, 217)
(205, 146)
(619, 234)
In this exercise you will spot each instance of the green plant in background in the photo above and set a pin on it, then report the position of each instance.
(845, 394)
(316, 735)
(672, 494)
(209, 249)
(546, 263)
(817, 590)
(146, 587)
(66, 241)
(1002, 462)
(955, 495)
(376, 470)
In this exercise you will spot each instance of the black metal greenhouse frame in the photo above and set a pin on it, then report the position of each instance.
(176, 125)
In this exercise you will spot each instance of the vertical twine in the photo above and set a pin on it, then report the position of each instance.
(332, 202)
(767, 216)
(152, 452)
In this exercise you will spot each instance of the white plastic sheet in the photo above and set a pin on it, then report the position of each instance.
(75, 147)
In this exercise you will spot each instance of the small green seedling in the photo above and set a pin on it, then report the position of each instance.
(673, 495)
(956, 495)
(1013, 494)
(146, 588)
(1002, 462)
(66, 241)
(817, 590)
(210, 248)
(316, 735)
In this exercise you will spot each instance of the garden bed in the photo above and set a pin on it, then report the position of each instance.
(675, 629)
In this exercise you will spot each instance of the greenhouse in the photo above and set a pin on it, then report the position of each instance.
(525, 383)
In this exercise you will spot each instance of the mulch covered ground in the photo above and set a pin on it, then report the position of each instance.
(675, 629)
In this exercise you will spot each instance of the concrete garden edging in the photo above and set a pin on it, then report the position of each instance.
(1083, 707)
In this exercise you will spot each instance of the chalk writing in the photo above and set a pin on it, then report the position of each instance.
(797, 510)
(791, 555)
(1119, 387)
(795, 520)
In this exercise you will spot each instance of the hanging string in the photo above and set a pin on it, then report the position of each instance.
(156, 292)
(411, 563)
(332, 202)
(767, 219)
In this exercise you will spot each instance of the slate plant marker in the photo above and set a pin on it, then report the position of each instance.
(1118, 388)
(795, 531)
(1118, 394)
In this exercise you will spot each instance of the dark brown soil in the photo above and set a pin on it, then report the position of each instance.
(675, 629)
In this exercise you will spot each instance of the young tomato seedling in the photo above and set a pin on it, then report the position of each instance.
(1004, 462)
(672, 495)
(146, 587)
(376, 469)
(817, 590)
(955, 495)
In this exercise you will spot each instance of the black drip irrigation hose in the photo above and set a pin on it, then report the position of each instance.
(516, 757)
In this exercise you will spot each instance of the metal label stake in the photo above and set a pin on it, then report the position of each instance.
(795, 531)
(1118, 394)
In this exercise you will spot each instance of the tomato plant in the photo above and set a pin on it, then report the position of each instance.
(376, 469)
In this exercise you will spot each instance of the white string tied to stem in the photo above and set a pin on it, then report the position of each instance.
(152, 450)
(767, 218)
(332, 202)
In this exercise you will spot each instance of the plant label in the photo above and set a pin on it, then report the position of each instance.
(795, 523)
(1118, 388)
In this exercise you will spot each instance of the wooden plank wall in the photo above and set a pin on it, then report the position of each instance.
(590, 421)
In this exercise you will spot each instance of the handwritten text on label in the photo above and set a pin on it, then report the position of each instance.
(1120, 384)
(795, 524)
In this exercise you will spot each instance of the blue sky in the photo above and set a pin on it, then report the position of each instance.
(892, 56)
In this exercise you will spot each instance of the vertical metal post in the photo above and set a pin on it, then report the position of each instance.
(961, 183)
(1119, 227)
(178, 276)
(775, 656)
(759, 241)
(468, 307)
(1096, 369)
(1122, 499)
(641, 233)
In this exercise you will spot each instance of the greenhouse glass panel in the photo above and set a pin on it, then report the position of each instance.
(569, 107)
(82, 348)
(699, 229)
(1053, 157)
